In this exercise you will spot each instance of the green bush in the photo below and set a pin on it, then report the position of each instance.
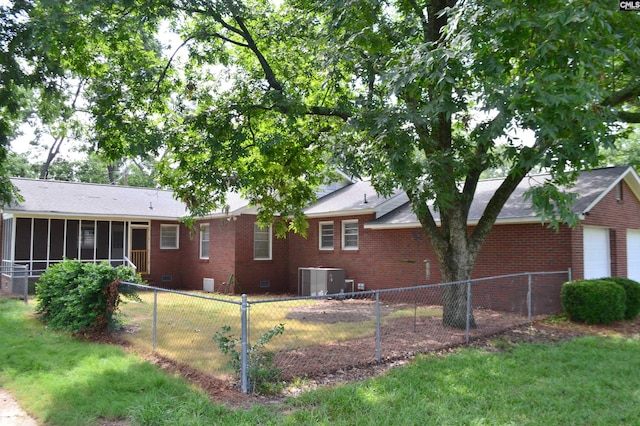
(76, 296)
(263, 375)
(632, 290)
(593, 301)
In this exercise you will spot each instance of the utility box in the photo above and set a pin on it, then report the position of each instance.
(208, 285)
(321, 281)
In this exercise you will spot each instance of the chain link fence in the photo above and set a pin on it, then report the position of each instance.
(324, 334)
(15, 280)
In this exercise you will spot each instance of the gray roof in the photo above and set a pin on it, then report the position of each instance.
(590, 187)
(82, 199)
(46, 197)
(357, 198)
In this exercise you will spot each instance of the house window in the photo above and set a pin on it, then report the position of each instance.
(261, 242)
(326, 235)
(350, 235)
(204, 241)
(169, 236)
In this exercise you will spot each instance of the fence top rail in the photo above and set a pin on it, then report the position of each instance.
(400, 289)
(340, 295)
(525, 274)
(183, 293)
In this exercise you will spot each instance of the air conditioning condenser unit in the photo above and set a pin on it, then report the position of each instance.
(321, 281)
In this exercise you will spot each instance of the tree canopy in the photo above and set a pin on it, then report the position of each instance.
(267, 98)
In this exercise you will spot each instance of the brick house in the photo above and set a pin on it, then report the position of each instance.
(376, 241)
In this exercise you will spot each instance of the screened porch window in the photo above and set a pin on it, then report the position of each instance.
(87, 239)
(40, 243)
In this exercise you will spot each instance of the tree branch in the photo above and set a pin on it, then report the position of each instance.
(423, 19)
(621, 96)
(502, 194)
(266, 67)
(629, 117)
(421, 209)
(306, 110)
(166, 67)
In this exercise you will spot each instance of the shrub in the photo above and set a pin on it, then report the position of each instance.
(76, 296)
(632, 291)
(264, 377)
(593, 301)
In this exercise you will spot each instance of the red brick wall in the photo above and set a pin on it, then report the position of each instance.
(516, 248)
(389, 258)
(165, 262)
(384, 259)
(396, 257)
(250, 272)
(230, 252)
(220, 264)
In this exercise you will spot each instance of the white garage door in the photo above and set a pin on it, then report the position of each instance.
(597, 261)
(633, 254)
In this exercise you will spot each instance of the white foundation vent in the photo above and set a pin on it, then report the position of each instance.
(207, 284)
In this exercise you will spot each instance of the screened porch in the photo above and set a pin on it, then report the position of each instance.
(38, 242)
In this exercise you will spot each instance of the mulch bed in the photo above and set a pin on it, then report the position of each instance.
(400, 338)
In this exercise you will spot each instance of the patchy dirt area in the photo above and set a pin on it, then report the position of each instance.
(400, 338)
(335, 311)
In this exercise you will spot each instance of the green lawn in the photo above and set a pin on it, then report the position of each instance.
(587, 381)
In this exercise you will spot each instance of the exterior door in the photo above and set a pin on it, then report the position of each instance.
(140, 249)
(633, 254)
(597, 259)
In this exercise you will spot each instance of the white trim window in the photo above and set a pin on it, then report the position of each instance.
(169, 236)
(261, 242)
(325, 232)
(204, 240)
(350, 234)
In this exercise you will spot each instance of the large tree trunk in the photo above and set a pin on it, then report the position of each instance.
(456, 253)
(456, 266)
(457, 304)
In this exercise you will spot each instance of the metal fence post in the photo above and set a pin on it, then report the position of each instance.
(244, 345)
(468, 331)
(378, 331)
(25, 281)
(155, 319)
(529, 294)
(569, 274)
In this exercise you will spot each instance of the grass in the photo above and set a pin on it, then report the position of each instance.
(63, 381)
(591, 380)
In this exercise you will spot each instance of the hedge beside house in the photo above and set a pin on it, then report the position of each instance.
(76, 296)
(632, 291)
(594, 301)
